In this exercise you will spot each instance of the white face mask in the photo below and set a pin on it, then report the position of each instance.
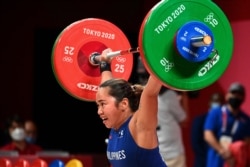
(18, 134)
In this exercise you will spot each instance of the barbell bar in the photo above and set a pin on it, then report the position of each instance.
(196, 41)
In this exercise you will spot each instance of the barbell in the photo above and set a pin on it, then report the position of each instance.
(186, 44)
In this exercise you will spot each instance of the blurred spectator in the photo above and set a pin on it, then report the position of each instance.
(31, 131)
(142, 73)
(225, 126)
(15, 128)
(172, 116)
(199, 145)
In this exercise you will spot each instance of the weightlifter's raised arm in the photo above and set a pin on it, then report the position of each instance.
(105, 66)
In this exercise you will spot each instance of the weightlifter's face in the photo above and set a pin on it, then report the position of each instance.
(107, 109)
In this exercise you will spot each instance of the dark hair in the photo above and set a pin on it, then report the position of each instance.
(217, 97)
(163, 89)
(8, 124)
(14, 118)
(120, 88)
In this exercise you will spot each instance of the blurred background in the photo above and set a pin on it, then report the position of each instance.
(28, 85)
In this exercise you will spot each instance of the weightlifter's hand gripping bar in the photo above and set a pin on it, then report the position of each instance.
(95, 57)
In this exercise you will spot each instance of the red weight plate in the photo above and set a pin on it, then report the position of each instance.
(71, 51)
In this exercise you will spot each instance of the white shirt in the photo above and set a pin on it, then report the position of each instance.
(170, 113)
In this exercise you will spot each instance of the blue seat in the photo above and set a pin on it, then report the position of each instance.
(56, 163)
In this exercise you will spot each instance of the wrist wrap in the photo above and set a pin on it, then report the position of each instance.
(104, 66)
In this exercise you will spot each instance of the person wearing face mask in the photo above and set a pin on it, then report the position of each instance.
(17, 134)
(31, 131)
(199, 145)
(226, 125)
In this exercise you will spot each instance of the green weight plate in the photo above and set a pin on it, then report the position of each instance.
(158, 50)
